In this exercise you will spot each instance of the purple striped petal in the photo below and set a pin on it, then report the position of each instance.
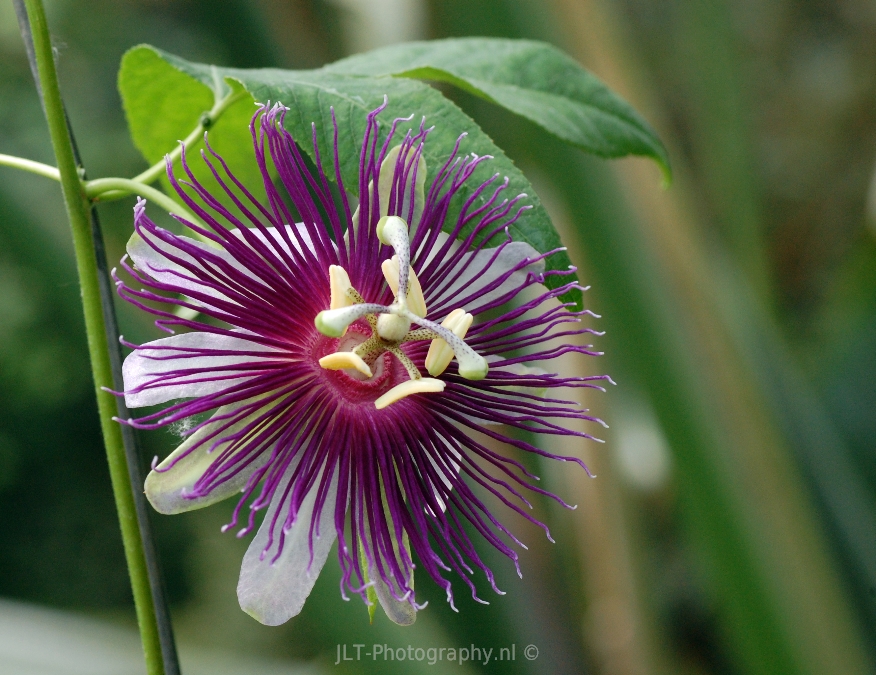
(190, 365)
(479, 279)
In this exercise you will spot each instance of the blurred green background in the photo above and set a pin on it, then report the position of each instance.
(732, 526)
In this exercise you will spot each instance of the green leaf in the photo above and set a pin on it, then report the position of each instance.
(533, 79)
(163, 105)
(153, 81)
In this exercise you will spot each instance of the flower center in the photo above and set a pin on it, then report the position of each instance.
(391, 325)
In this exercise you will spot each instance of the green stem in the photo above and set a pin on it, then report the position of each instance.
(99, 189)
(96, 189)
(208, 119)
(29, 165)
(109, 189)
(77, 206)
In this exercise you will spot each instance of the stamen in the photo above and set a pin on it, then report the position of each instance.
(392, 325)
(339, 281)
(400, 391)
(413, 371)
(393, 231)
(440, 353)
(373, 347)
(472, 366)
(357, 299)
(342, 360)
(416, 301)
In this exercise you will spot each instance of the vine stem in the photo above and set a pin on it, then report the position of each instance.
(154, 172)
(38, 168)
(207, 120)
(78, 207)
(95, 189)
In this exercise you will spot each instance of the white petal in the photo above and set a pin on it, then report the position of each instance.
(155, 262)
(164, 489)
(519, 369)
(274, 593)
(454, 458)
(482, 271)
(148, 363)
(152, 257)
(275, 240)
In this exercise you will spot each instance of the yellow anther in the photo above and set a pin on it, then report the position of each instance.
(440, 354)
(342, 360)
(416, 301)
(399, 391)
(339, 282)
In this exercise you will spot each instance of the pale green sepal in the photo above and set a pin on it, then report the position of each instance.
(164, 489)
(400, 612)
(370, 593)
(384, 185)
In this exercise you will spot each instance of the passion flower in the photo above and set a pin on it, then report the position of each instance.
(340, 370)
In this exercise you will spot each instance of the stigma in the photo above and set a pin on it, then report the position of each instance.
(392, 325)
